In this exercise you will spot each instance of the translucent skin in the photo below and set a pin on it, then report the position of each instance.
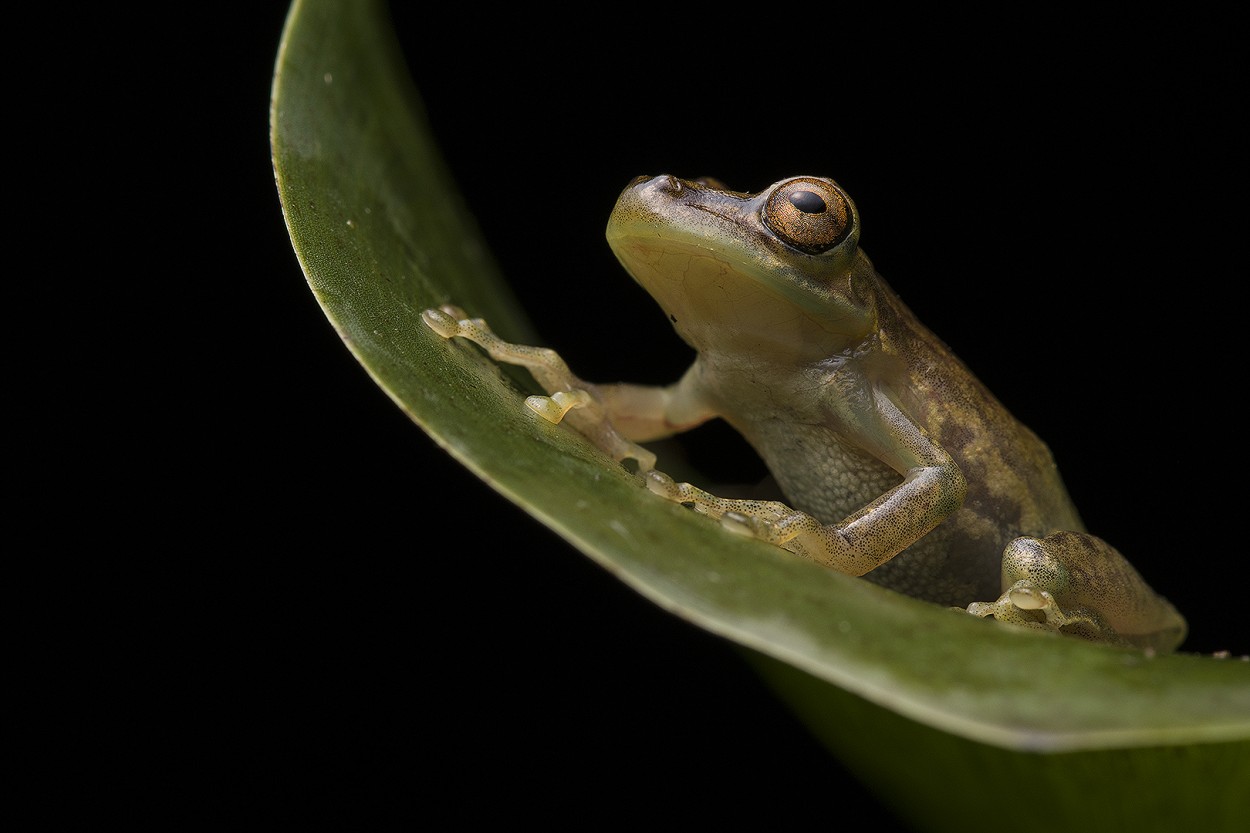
(895, 462)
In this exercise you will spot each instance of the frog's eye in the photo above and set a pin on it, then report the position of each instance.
(812, 215)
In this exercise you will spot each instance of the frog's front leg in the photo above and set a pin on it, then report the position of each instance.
(1080, 584)
(932, 487)
(613, 417)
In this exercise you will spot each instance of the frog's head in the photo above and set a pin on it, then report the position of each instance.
(772, 272)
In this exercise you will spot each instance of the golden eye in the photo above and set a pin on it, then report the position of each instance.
(812, 215)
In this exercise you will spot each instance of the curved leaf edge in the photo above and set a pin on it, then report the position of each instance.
(429, 361)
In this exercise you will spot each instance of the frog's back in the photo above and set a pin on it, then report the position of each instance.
(1013, 485)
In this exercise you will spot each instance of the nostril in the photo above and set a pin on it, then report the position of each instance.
(667, 182)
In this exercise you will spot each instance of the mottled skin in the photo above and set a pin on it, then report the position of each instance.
(1010, 484)
(896, 462)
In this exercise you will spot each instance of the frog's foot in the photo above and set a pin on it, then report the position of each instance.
(766, 520)
(567, 395)
(1081, 585)
(1042, 592)
(1028, 604)
(553, 408)
(774, 523)
(543, 363)
(588, 416)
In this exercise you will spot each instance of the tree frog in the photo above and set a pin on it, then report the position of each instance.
(895, 462)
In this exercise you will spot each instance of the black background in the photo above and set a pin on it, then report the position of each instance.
(346, 623)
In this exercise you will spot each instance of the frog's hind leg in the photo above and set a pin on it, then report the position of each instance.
(1080, 585)
(1025, 603)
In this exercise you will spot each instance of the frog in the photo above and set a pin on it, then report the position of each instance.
(894, 461)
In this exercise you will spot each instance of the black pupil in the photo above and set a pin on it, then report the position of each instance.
(809, 202)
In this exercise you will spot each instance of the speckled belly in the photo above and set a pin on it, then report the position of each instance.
(955, 564)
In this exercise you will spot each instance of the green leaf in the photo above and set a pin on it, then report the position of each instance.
(945, 714)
